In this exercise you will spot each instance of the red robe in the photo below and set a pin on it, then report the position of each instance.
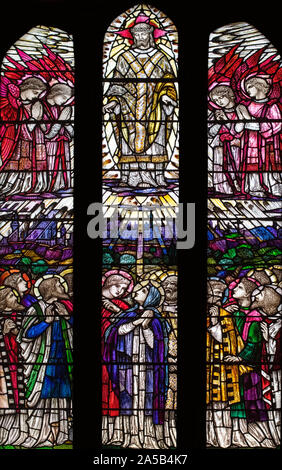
(260, 148)
(110, 402)
(10, 359)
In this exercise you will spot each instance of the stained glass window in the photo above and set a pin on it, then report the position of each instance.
(244, 240)
(36, 237)
(140, 195)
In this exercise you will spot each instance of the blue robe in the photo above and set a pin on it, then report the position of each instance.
(57, 383)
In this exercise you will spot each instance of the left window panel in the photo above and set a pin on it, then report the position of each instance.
(36, 240)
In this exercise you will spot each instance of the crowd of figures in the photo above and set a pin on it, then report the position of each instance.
(35, 359)
(244, 360)
(139, 355)
(245, 127)
(36, 128)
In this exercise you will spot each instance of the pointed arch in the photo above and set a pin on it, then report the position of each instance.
(140, 188)
(36, 239)
(244, 181)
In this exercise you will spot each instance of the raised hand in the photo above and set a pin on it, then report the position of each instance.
(108, 305)
(9, 326)
(232, 359)
(49, 314)
(264, 330)
(111, 107)
(220, 115)
(231, 308)
(61, 310)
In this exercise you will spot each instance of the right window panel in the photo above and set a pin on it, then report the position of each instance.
(244, 240)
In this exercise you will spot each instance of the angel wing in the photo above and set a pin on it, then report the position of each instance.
(253, 65)
(11, 113)
(49, 66)
(224, 68)
(222, 71)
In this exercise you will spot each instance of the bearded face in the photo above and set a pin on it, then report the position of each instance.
(10, 301)
(215, 292)
(142, 38)
(170, 288)
(267, 300)
(60, 292)
(52, 288)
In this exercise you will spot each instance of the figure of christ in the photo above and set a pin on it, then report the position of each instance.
(46, 348)
(23, 168)
(260, 161)
(18, 281)
(13, 426)
(267, 300)
(142, 110)
(169, 311)
(252, 407)
(116, 285)
(222, 378)
(136, 353)
(59, 136)
(225, 141)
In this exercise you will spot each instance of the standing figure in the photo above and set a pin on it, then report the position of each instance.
(23, 150)
(225, 141)
(136, 353)
(222, 378)
(267, 300)
(13, 427)
(142, 110)
(59, 136)
(169, 311)
(46, 348)
(252, 407)
(116, 285)
(260, 145)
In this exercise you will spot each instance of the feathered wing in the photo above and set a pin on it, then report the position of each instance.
(48, 67)
(269, 68)
(11, 114)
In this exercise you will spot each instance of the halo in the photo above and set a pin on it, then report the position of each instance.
(268, 272)
(48, 276)
(66, 271)
(7, 273)
(13, 290)
(122, 273)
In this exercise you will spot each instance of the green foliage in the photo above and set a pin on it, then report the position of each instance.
(127, 259)
(39, 267)
(107, 259)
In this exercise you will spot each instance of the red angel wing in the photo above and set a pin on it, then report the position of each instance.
(10, 112)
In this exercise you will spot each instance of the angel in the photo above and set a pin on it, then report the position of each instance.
(24, 145)
(22, 139)
(223, 134)
(59, 135)
(258, 88)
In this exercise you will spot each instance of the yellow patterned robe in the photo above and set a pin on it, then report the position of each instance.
(142, 129)
(171, 316)
(223, 378)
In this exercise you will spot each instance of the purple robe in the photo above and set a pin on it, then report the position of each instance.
(118, 359)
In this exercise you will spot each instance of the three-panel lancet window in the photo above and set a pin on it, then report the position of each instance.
(36, 238)
(140, 196)
(140, 154)
(244, 240)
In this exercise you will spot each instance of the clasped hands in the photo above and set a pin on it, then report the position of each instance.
(56, 309)
(144, 319)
